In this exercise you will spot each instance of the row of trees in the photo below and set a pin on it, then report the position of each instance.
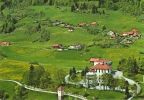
(3, 94)
(131, 65)
(9, 24)
(36, 77)
(108, 81)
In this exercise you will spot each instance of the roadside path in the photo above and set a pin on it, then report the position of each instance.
(118, 75)
(42, 90)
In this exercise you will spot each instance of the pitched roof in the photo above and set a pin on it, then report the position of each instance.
(134, 30)
(60, 88)
(94, 59)
(5, 43)
(81, 24)
(113, 35)
(55, 45)
(93, 23)
(100, 66)
(136, 35)
(130, 33)
(101, 61)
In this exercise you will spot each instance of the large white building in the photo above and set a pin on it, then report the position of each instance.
(99, 67)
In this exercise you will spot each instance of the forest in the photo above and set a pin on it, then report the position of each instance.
(134, 7)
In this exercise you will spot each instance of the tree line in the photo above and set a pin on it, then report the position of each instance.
(131, 65)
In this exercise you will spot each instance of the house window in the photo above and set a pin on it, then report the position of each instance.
(108, 71)
(99, 70)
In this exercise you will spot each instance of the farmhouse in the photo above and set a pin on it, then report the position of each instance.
(81, 24)
(100, 67)
(5, 43)
(56, 45)
(75, 46)
(94, 23)
(70, 29)
(132, 33)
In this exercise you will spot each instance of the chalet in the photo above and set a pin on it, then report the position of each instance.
(70, 29)
(75, 46)
(56, 46)
(112, 36)
(136, 35)
(62, 24)
(111, 33)
(68, 26)
(5, 43)
(94, 23)
(128, 41)
(125, 34)
(100, 67)
(120, 35)
(57, 22)
(134, 31)
(81, 24)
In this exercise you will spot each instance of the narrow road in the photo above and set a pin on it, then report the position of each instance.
(42, 90)
(118, 75)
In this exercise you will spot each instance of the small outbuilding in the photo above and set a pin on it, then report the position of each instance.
(5, 43)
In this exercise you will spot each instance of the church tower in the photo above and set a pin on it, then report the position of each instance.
(60, 93)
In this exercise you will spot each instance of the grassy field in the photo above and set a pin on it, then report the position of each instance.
(22, 50)
(9, 87)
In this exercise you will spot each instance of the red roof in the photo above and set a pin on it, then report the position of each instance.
(130, 33)
(112, 36)
(121, 35)
(136, 35)
(60, 88)
(94, 59)
(134, 30)
(5, 43)
(100, 66)
(55, 45)
(102, 60)
(93, 23)
(81, 24)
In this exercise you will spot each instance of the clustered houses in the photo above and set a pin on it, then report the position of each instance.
(126, 36)
(64, 25)
(70, 26)
(133, 33)
(59, 47)
(99, 68)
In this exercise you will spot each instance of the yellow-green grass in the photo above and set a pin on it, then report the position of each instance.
(105, 95)
(9, 87)
(22, 49)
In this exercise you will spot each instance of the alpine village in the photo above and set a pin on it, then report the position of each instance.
(71, 50)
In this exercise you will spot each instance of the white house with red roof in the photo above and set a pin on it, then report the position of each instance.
(100, 67)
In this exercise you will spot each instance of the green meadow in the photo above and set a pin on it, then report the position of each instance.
(22, 51)
(9, 87)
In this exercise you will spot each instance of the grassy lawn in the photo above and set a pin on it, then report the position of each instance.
(102, 95)
(10, 88)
